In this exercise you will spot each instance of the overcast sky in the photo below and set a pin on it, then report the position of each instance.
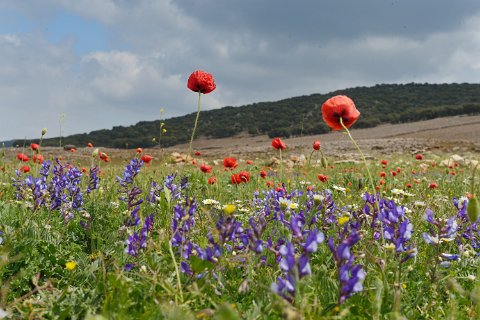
(100, 63)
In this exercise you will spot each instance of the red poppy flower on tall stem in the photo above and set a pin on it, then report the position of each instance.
(278, 144)
(339, 109)
(201, 82)
(34, 146)
(316, 145)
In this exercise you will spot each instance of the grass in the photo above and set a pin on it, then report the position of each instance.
(236, 283)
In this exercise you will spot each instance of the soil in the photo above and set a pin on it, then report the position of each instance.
(459, 134)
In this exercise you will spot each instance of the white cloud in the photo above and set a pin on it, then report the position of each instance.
(154, 45)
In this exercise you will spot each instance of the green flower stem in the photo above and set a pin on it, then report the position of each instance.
(177, 272)
(193, 134)
(194, 127)
(363, 157)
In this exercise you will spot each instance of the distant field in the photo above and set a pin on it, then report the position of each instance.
(459, 132)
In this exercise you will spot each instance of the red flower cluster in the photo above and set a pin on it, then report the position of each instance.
(230, 163)
(241, 177)
(201, 81)
(339, 107)
(277, 143)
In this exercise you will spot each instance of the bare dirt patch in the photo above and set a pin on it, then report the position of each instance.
(459, 134)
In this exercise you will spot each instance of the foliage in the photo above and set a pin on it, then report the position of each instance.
(146, 243)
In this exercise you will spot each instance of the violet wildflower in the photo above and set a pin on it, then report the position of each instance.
(350, 276)
(93, 181)
(130, 192)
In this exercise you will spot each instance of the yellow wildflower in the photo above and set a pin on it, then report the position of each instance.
(229, 208)
(70, 265)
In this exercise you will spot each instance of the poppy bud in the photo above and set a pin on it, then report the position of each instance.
(44, 131)
(473, 209)
(324, 162)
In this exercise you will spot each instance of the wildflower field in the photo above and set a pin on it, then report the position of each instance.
(85, 235)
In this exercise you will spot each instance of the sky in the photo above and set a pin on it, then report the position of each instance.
(74, 66)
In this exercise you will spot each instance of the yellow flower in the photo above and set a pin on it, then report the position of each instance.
(70, 265)
(229, 208)
(342, 220)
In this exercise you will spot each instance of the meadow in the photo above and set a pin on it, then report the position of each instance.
(86, 235)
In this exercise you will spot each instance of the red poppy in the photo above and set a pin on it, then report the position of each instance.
(277, 143)
(38, 158)
(73, 150)
(433, 185)
(419, 156)
(139, 150)
(146, 158)
(194, 162)
(269, 184)
(84, 170)
(249, 162)
(23, 157)
(212, 180)
(408, 185)
(34, 146)
(316, 145)
(382, 182)
(383, 174)
(394, 173)
(399, 169)
(104, 156)
(90, 145)
(244, 176)
(263, 174)
(339, 107)
(322, 177)
(235, 178)
(25, 169)
(230, 163)
(198, 153)
(201, 81)
(384, 162)
(206, 168)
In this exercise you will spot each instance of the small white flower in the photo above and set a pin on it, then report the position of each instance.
(293, 206)
(419, 203)
(341, 189)
(397, 191)
(210, 202)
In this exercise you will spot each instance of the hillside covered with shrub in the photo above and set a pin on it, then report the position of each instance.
(384, 103)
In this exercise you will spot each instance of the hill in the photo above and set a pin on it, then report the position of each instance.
(380, 104)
